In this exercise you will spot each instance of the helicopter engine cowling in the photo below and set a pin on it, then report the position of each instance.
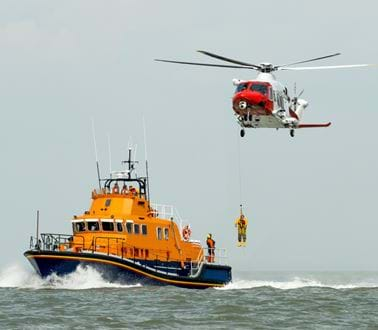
(301, 105)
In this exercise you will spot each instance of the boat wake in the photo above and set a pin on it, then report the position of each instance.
(295, 283)
(83, 278)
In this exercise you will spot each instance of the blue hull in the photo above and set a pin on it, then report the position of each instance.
(129, 271)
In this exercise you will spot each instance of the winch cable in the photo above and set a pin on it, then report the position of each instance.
(239, 173)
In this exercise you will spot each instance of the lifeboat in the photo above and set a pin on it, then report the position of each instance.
(130, 240)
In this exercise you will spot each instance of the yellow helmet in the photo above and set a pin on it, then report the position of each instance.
(208, 235)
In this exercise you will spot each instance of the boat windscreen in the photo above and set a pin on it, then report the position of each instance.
(93, 225)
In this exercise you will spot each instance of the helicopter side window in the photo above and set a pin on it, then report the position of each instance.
(263, 89)
(241, 87)
(270, 92)
(280, 101)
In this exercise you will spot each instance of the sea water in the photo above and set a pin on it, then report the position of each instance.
(256, 300)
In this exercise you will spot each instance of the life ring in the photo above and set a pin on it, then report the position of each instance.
(186, 232)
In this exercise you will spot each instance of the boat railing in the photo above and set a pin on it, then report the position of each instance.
(216, 256)
(167, 212)
(108, 246)
(162, 210)
(196, 265)
(53, 242)
(152, 259)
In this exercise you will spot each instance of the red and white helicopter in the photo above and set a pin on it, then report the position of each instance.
(265, 102)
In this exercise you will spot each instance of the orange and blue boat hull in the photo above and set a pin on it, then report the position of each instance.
(128, 271)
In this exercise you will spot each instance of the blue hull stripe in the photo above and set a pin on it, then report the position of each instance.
(187, 283)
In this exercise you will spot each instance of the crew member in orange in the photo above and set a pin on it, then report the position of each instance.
(124, 189)
(132, 190)
(210, 248)
(115, 189)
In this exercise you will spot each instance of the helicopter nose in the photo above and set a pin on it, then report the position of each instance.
(257, 98)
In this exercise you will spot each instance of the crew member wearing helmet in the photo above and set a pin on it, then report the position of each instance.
(241, 223)
(210, 248)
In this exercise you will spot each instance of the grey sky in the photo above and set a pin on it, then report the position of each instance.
(311, 200)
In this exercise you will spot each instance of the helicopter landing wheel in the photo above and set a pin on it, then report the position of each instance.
(242, 132)
(292, 133)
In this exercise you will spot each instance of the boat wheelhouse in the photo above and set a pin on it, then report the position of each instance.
(130, 240)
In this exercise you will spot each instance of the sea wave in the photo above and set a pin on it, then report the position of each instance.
(15, 276)
(294, 283)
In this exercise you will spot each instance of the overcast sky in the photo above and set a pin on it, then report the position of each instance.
(311, 201)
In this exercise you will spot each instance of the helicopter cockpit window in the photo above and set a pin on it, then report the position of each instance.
(79, 226)
(241, 87)
(263, 89)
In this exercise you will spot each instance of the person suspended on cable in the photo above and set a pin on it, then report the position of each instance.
(210, 248)
(241, 223)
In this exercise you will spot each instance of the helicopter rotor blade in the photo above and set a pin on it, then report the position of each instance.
(208, 64)
(326, 67)
(222, 58)
(310, 60)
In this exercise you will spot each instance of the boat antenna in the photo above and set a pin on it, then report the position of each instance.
(96, 155)
(110, 155)
(146, 159)
(130, 163)
(37, 233)
(135, 161)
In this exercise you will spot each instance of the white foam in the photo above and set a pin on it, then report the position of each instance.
(295, 283)
(83, 278)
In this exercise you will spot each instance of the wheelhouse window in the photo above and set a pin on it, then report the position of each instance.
(241, 87)
(107, 226)
(166, 234)
(93, 225)
(144, 229)
(78, 226)
(119, 226)
(129, 227)
(136, 228)
(159, 233)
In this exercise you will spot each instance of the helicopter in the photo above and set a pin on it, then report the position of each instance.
(264, 102)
